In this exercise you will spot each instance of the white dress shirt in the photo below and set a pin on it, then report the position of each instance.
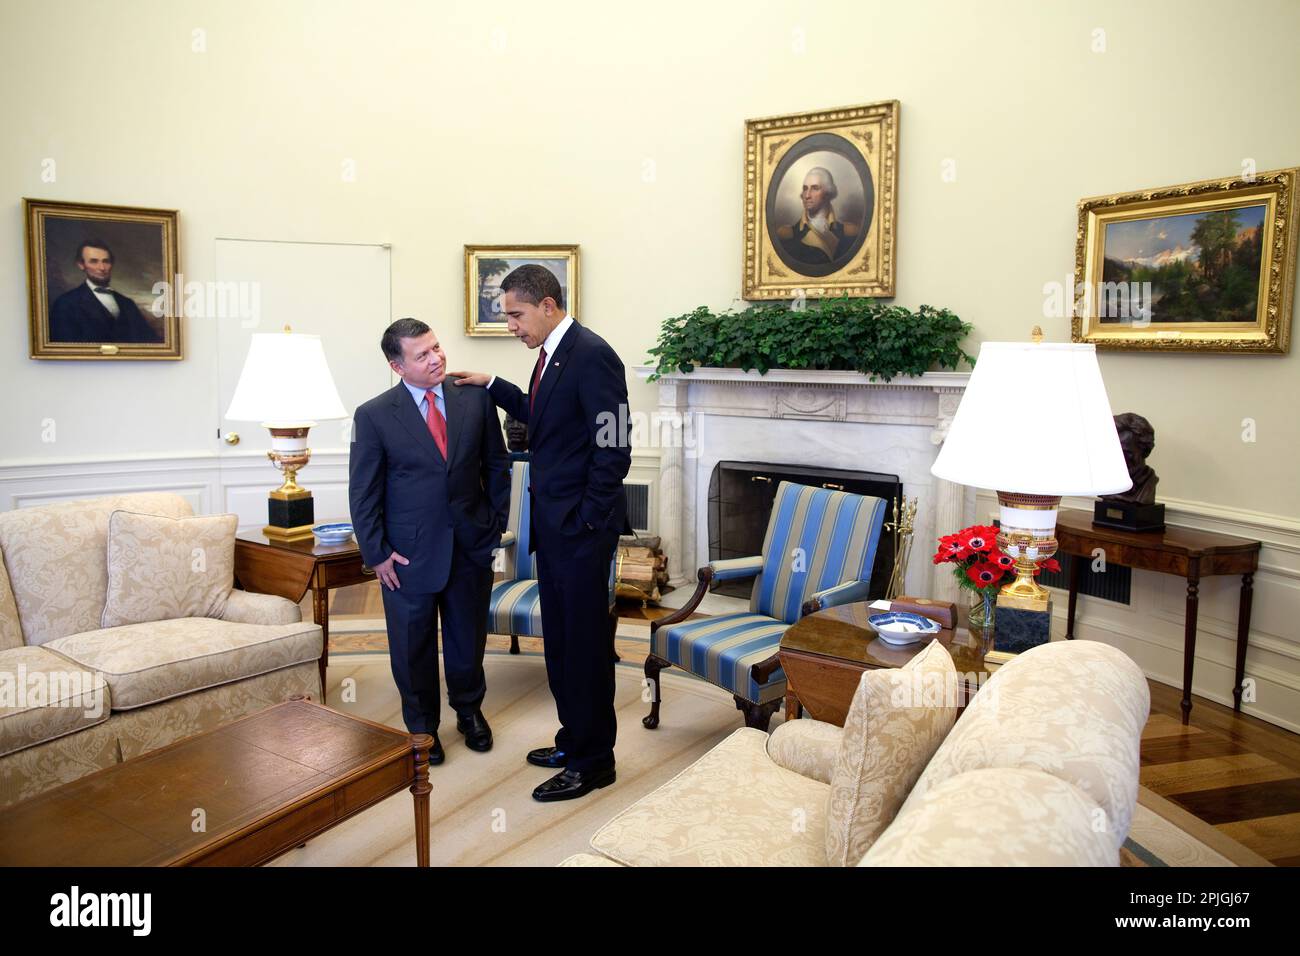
(105, 299)
(549, 346)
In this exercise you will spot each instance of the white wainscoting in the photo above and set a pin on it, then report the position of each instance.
(231, 483)
(1150, 628)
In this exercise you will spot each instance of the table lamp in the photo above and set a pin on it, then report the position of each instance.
(1034, 424)
(286, 385)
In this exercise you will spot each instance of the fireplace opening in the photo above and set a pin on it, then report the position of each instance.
(741, 494)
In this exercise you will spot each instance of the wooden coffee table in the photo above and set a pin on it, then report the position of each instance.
(251, 789)
(824, 654)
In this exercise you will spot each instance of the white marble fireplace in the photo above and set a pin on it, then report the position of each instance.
(827, 419)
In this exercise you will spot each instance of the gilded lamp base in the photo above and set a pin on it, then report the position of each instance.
(1027, 532)
(291, 511)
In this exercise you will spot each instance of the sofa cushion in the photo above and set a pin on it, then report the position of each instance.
(732, 807)
(161, 568)
(57, 558)
(897, 720)
(997, 817)
(146, 663)
(806, 746)
(1073, 709)
(11, 627)
(587, 859)
(44, 696)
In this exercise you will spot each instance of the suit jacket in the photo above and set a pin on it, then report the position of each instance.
(405, 497)
(79, 316)
(579, 438)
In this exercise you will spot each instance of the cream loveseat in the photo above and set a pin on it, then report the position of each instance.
(138, 686)
(1040, 770)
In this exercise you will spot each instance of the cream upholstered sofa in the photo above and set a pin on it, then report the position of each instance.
(94, 696)
(1041, 769)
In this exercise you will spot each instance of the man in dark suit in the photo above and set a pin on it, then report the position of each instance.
(578, 437)
(93, 311)
(429, 489)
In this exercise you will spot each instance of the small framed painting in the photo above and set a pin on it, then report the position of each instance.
(486, 266)
(820, 211)
(99, 280)
(1207, 266)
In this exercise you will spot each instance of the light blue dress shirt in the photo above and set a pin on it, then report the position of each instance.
(422, 401)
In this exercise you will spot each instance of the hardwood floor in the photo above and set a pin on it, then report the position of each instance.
(1235, 772)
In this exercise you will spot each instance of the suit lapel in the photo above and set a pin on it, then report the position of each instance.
(453, 399)
(408, 413)
(556, 364)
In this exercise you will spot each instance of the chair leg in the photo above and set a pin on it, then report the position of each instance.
(514, 643)
(758, 716)
(653, 665)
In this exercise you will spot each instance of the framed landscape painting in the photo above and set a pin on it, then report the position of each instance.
(93, 279)
(820, 203)
(1208, 266)
(486, 266)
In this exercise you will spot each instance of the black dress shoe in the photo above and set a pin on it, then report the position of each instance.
(571, 784)
(478, 735)
(436, 754)
(548, 757)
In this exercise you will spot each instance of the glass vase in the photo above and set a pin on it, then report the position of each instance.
(982, 609)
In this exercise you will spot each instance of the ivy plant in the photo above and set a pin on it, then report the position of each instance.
(862, 335)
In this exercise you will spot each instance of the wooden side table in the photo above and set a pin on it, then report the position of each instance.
(1185, 552)
(824, 654)
(291, 569)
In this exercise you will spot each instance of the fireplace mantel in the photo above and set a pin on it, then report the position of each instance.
(839, 419)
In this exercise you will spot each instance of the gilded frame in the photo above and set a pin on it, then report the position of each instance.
(474, 254)
(867, 269)
(37, 215)
(1271, 330)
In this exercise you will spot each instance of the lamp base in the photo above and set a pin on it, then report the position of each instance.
(290, 519)
(1019, 626)
(1128, 516)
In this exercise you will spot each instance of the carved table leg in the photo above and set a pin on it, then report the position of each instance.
(1189, 643)
(1076, 562)
(793, 709)
(320, 605)
(1243, 636)
(421, 743)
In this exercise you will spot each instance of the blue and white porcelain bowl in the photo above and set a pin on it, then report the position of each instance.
(336, 533)
(902, 627)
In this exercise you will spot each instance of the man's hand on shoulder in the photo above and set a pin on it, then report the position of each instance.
(471, 378)
(387, 573)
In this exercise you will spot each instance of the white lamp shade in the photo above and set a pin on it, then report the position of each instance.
(1035, 419)
(285, 381)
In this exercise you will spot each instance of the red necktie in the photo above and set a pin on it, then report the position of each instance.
(537, 380)
(437, 424)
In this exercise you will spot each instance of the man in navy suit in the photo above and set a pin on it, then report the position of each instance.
(580, 446)
(94, 311)
(429, 489)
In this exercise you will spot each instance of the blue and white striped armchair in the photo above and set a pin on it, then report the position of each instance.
(818, 552)
(515, 607)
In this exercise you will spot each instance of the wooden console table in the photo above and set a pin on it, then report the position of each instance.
(824, 654)
(1185, 552)
(264, 784)
(290, 569)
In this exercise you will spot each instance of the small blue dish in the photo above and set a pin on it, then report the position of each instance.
(902, 627)
(336, 533)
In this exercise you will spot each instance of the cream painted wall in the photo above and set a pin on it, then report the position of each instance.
(523, 122)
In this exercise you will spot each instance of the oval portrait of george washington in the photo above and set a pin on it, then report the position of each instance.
(819, 204)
